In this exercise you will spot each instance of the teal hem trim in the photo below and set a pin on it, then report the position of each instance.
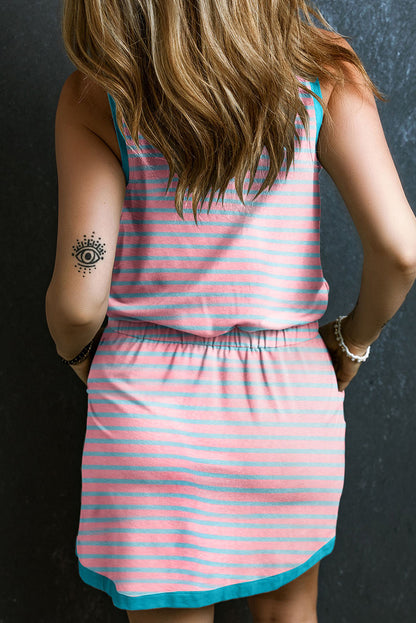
(121, 141)
(198, 599)
(319, 112)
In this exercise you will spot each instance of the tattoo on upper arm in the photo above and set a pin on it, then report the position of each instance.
(88, 252)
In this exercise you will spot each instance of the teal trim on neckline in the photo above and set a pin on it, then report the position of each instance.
(121, 140)
(198, 599)
(319, 113)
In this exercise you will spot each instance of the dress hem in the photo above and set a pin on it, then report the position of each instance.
(198, 599)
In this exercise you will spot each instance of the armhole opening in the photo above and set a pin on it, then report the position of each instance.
(121, 141)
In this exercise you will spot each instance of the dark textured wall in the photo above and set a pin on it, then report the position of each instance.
(371, 574)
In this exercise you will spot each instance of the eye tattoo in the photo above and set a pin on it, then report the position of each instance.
(88, 252)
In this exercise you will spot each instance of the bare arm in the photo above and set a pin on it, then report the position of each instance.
(91, 193)
(355, 154)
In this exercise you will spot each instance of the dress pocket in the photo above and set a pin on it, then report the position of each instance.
(96, 358)
(327, 356)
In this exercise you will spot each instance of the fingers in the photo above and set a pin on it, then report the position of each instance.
(346, 370)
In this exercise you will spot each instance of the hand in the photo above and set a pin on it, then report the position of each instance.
(345, 368)
(82, 369)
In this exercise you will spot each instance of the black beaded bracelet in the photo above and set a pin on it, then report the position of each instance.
(81, 356)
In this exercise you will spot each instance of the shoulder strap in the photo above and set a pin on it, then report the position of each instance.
(121, 140)
(319, 112)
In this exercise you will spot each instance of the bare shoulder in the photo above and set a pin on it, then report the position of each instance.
(83, 101)
(351, 73)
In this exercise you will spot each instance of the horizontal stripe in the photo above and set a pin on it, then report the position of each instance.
(117, 355)
(135, 197)
(148, 283)
(167, 319)
(184, 558)
(310, 217)
(163, 455)
(195, 472)
(181, 394)
(220, 434)
(115, 359)
(228, 409)
(291, 180)
(199, 382)
(185, 282)
(179, 545)
(230, 271)
(233, 318)
(202, 522)
(178, 444)
(236, 318)
(263, 539)
(152, 194)
(206, 513)
(164, 166)
(307, 176)
(171, 420)
(246, 297)
(203, 548)
(206, 487)
(215, 247)
(198, 498)
(176, 258)
(208, 563)
(243, 295)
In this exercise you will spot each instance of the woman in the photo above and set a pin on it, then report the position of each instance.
(213, 461)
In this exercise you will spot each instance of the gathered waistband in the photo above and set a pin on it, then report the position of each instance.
(236, 337)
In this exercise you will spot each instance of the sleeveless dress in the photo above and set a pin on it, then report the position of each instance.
(213, 461)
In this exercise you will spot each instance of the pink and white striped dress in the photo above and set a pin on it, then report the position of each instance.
(213, 462)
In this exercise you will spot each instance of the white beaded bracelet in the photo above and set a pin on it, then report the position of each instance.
(344, 347)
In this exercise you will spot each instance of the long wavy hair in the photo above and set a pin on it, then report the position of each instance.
(209, 83)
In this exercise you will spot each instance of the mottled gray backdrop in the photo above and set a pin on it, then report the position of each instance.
(371, 575)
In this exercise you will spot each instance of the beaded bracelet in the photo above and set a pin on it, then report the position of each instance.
(344, 347)
(81, 356)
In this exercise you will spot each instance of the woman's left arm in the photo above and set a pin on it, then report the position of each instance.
(91, 187)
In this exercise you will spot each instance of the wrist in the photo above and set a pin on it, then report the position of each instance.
(356, 346)
(85, 363)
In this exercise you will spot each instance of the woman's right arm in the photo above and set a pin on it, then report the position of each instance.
(355, 154)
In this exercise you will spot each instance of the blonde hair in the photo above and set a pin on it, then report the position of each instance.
(209, 83)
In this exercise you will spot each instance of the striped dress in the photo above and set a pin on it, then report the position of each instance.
(259, 269)
(213, 461)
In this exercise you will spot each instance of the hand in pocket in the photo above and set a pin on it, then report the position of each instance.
(345, 368)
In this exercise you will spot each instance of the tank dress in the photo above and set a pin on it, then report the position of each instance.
(213, 460)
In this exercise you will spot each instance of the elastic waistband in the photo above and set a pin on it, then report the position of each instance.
(236, 337)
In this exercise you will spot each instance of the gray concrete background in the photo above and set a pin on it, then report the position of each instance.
(371, 574)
